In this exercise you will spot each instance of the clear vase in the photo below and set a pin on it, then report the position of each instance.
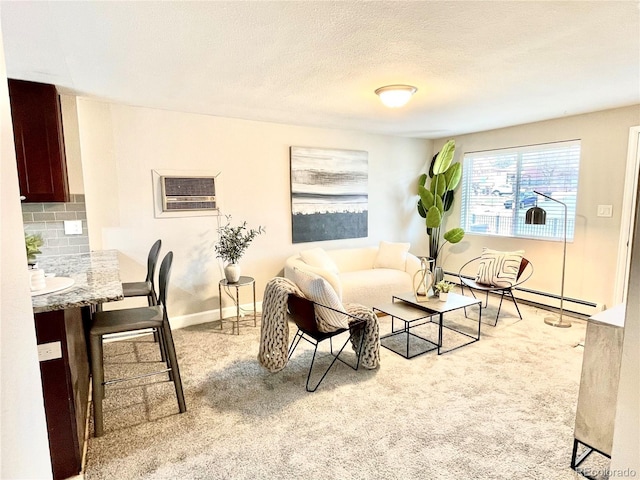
(438, 274)
(423, 278)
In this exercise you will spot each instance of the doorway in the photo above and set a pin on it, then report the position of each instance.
(627, 219)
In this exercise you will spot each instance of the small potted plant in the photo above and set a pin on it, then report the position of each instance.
(232, 243)
(443, 288)
(33, 242)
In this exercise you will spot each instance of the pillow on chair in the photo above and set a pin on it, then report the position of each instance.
(318, 290)
(318, 257)
(392, 255)
(499, 269)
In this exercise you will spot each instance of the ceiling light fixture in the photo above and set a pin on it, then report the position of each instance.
(394, 96)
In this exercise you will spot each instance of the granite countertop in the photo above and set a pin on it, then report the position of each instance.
(96, 276)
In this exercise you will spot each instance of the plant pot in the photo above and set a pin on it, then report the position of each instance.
(232, 272)
(443, 296)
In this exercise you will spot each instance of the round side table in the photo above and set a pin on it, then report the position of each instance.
(242, 282)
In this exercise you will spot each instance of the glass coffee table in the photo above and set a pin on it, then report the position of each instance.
(406, 308)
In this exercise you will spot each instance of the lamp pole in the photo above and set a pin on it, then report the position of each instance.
(552, 320)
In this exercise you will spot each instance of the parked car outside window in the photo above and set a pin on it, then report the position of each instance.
(525, 199)
(502, 190)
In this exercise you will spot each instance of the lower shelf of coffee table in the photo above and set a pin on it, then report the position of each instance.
(407, 344)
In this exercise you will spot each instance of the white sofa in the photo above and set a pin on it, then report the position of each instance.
(364, 275)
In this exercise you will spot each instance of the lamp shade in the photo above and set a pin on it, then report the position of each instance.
(535, 216)
(394, 96)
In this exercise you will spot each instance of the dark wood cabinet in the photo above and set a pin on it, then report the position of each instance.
(37, 131)
(65, 387)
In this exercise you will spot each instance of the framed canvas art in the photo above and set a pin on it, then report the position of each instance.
(329, 194)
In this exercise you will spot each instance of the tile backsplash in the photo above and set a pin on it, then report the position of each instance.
(48, 219)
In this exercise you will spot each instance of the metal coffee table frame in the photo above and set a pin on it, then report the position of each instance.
(411, 317)
(412, 313)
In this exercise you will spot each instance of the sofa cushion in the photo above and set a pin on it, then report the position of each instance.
(391, 255)
(353, 259)
(359, 261)
(375, 286)
(318, 290)
(499, 269)
(318, 257)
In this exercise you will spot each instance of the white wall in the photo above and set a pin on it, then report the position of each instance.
(120, 145)
(24, 448)
(626, 439)
(592, 256)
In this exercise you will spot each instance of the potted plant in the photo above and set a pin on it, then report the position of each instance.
(232, 243)
(437, 199)
(33, 242)
(443, 288)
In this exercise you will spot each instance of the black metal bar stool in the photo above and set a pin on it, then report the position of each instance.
(130, 320)
(146, 288)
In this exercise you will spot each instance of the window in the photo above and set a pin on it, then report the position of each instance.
(498, 188)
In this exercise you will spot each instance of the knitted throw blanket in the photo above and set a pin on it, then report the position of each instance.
(274, 331)
(274, 328)
(370, 356)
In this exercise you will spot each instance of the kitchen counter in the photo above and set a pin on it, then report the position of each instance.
(96, 280)
(62, 320)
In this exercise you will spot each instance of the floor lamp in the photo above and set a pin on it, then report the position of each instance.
(538, 216)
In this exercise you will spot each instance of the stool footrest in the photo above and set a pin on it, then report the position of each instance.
(118, 380)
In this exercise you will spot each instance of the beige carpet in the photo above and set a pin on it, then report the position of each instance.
(500, 408)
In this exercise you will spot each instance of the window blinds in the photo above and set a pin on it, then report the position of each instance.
(498, 188)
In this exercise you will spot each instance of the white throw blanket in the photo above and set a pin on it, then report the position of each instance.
(274, 332)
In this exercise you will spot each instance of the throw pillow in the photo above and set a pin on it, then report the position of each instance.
(391, 255)
(318, 290)
(499, 269)
(318, 257)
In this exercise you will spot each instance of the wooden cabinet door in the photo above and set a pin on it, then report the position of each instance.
(37, 131)
(65, 388)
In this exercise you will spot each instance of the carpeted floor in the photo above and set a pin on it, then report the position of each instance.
(500, 408)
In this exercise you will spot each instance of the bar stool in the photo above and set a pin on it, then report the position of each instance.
(146, 288)
(130, 320)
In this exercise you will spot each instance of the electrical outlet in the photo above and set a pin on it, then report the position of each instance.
(73, 227)
(49, 351)
(605, 210)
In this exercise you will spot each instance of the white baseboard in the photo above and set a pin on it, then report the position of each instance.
(211, 315)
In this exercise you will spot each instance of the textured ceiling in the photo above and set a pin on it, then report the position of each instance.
(478, 65)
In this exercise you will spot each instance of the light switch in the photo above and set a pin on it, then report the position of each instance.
(605, 210)
(73, 227)
(49, 351)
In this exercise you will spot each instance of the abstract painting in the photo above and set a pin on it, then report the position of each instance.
(329, 194)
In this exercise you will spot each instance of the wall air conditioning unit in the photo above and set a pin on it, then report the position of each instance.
(180, 194)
